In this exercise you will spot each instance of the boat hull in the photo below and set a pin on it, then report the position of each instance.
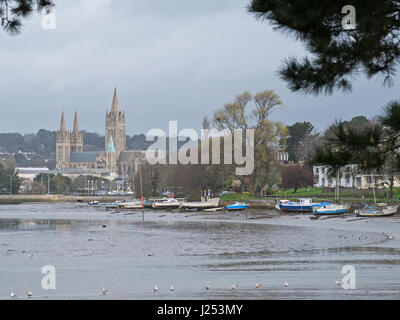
(212, 203)
(296, 209)
(236, 208)
(330, 212)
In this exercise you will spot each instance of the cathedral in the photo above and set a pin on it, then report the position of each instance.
(115, 157)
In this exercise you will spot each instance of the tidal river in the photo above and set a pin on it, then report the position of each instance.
(91, 249)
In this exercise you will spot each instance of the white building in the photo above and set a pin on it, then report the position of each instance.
(29, 174)
(350, 177)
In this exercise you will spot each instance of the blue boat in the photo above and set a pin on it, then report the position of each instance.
(237, 206)
(332, 209)
(304, 205)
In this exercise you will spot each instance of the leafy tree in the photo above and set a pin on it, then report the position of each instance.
(233, 116)
(297, 133)
(9, 176)
(338, 53)
(297, 176)
(12, 12)
(60, 184)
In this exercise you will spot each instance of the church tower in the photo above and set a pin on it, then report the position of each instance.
(76, 137)
(63, 145)
(115, 127)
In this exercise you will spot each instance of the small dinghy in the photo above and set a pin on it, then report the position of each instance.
(237, 206)
(94, 203)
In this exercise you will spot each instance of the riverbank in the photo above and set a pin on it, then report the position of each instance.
(21, 198)
(128, 254)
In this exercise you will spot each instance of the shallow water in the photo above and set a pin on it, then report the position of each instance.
(92, 249)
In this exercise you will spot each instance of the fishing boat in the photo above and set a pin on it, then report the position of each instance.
(166, 203)
(304, 205)
(330, 209)
(237, 206)
(94, 203)
(376, 211)
(201, 205)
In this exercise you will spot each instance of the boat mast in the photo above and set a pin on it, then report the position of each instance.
(373, 187)
(141, 193)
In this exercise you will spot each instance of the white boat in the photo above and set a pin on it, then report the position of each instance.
(209, 204)
(213, 209)
(166, 203)
(376, 211)
(94, 203)
(330, 209)
(131, 205)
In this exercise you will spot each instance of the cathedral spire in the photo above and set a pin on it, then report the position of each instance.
(76, 125)
(62, 125)
(115, 103)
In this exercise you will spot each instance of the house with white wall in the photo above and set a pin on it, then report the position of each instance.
(350, 177)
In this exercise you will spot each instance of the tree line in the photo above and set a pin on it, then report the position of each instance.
(44, 142)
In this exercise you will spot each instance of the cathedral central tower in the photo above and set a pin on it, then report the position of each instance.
(115, 126)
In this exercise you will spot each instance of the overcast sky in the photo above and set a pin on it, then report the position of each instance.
(170, 60)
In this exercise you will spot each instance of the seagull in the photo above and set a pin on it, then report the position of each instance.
(30, 256)
(156, 288)
(29, 294)
(390, 237)
(258, 285)
(104, 291)
(172, 288)
(207, 286)
(286, 284)
(234, 287)
(339, 283)
(13, 295)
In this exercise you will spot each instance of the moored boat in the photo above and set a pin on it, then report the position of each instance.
(237, 206)
(210, 203)
(94, 203)
(330, 209)
(131, 205)
(304, 205)
(376, 211)
(166, 203)
(112, 206)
